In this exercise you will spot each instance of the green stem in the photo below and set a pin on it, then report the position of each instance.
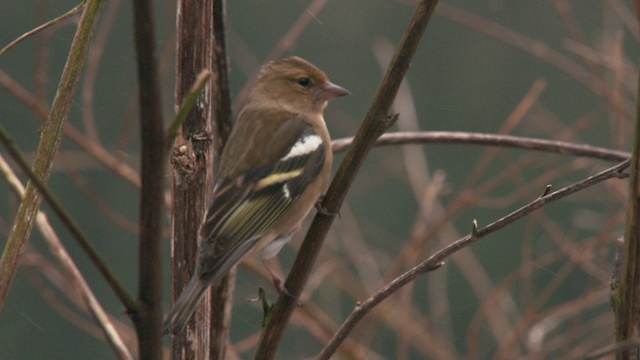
(50, 138)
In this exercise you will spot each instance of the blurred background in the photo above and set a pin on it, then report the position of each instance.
(554, 69)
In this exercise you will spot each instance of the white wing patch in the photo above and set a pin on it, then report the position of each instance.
(304, 145)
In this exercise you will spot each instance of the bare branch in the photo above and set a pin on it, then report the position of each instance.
(436, 260)
(465, 138)
(222, 292)
(626, 297)
(148, 316)
(192, 168)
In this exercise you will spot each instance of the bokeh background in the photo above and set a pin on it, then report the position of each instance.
(553, 69)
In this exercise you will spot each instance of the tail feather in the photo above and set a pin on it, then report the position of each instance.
(176, 319)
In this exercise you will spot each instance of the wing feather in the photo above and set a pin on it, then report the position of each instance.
(248, 204)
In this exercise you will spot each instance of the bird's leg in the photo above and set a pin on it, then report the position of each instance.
(278, 283)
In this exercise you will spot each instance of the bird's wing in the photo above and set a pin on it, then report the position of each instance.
(247, 205)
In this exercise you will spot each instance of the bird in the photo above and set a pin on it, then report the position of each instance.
(273, 169)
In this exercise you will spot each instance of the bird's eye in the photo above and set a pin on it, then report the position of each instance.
(304, 82)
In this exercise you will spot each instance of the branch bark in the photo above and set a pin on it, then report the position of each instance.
(222, 291)
(625, 295)
(192, 168)
(148, 316)
(467, 138)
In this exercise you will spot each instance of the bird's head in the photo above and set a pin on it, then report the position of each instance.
(296, 84)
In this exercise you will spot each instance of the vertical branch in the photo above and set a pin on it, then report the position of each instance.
(148, 318)
(192, 162)
(376, 122)
(48, 147)
(222, 291)
(221, 92)
(625, 295)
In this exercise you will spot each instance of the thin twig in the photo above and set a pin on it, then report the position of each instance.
(48, 24)
(466, 138)
(613, 349)
(436, 260)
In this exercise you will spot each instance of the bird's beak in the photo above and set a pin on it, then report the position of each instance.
(331, 91)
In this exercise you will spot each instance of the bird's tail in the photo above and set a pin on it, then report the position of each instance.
(176, 319)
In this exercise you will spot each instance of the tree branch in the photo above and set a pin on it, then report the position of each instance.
(466, 138)
(625, 294)
(192, 168)
(436, 260)
(222, 291)
(148, 317)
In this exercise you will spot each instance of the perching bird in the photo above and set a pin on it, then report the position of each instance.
(275, 166)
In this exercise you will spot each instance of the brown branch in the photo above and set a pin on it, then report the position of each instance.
(148, 317)
(375, 123)
(222, 291)
(625, 297)
(466, 138)
(221, 92)
(436, 260)
(192, 168)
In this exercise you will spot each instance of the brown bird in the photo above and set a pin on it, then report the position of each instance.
(275, 166)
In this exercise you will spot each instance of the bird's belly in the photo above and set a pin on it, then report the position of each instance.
(273, 247)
